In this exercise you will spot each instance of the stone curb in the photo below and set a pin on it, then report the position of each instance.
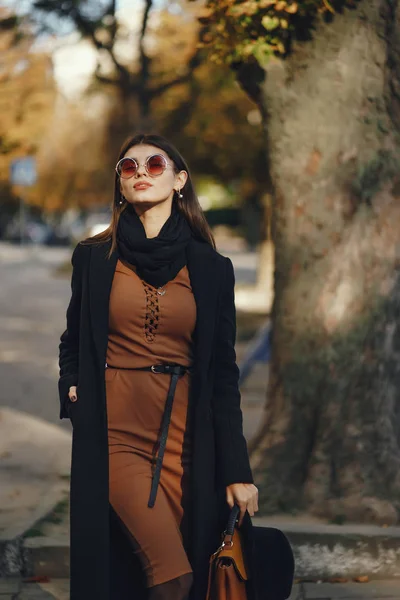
(14, 553)
(322, 552)
(11, 557)
(47, 557)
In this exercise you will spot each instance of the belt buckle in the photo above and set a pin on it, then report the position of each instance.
(153, 368)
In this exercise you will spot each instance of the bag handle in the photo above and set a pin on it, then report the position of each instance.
(230, 528)
(227, 534)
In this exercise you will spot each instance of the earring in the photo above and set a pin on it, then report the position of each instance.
(179, 193)
(123, 199)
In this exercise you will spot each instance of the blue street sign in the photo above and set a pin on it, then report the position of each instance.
(23, 171)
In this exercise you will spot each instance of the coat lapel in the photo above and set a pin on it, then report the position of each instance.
(204, 279)
(101, 275)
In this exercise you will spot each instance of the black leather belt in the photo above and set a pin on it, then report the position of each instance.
(175, 371)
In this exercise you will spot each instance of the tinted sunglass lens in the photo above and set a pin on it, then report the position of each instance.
(156, 165)
(127, 168)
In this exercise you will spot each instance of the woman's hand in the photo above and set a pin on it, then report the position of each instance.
(72, 393)
(245, 495)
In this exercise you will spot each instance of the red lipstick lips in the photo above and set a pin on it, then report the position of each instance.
(142, 185)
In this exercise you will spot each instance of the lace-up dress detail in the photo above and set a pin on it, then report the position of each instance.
(147, 327)
(152, 312)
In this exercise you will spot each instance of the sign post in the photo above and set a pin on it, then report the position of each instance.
(23, 173)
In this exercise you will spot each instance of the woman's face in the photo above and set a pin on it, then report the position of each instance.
(158, 189)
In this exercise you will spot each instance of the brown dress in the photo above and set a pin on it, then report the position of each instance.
(146, 328)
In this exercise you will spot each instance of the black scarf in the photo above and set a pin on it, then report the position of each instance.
(159, 259)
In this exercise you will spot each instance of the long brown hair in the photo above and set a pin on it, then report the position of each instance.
(188, 205)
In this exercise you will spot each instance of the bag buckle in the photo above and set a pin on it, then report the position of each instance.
(224, 544)
(227, 541)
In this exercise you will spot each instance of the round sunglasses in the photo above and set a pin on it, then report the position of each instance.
(155, 165)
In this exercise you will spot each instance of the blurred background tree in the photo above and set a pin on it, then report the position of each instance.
(325, 77)
(117, 70)
(26, 101)
(126, 80)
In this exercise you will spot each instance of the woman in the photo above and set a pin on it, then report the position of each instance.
(149, 380)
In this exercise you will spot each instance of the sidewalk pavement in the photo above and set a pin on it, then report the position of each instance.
(58, 589)
(378, 590)
(18, 589)
(35, 459)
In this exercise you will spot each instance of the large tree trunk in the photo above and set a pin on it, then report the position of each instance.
(330, 442)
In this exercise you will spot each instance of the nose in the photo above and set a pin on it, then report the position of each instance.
(141, 170)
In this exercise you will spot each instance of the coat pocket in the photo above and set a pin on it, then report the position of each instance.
(70, 409)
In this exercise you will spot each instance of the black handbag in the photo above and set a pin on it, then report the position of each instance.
(268, 557)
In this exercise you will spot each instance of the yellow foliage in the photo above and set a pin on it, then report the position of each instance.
(234, 24)
(26, 99)
(75, 146)
(270, 23)
(292, 8)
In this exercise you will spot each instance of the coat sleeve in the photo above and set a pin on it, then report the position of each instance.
(69, 341)
(232, 456)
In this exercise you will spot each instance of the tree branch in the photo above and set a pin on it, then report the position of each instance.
(88, 28)
(144, 59)
(144, 65)
(193, 63)
(111, 13)
(250, 76)
(182, 113)
(103, 78)
(146, 14)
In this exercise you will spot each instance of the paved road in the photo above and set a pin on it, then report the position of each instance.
(33, 302)
(59, 590)
(32, 316)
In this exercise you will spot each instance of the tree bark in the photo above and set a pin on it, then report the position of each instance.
(330, 440)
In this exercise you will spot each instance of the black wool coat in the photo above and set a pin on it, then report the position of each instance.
(103, 565)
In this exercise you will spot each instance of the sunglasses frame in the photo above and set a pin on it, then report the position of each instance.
(166, 165)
